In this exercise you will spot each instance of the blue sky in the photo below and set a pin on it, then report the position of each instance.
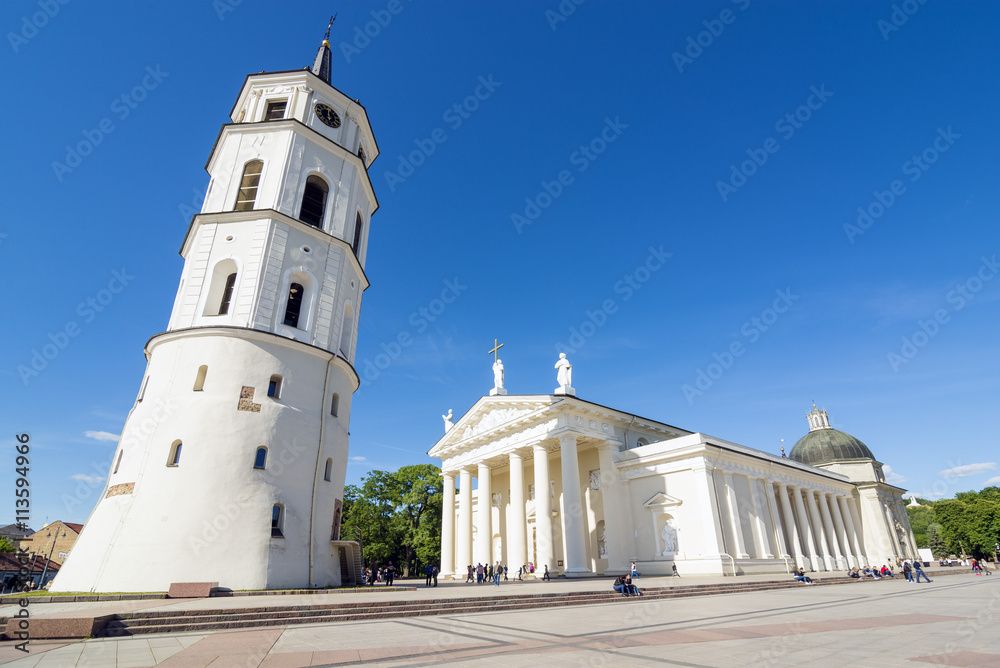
(739, 138)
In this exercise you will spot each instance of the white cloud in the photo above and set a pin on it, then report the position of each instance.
(359, 459)
(89, 479)
(891, 476)
(968, 470)
(995, 481)
(102, 436)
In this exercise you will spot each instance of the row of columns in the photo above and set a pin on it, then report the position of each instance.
(456, 542)
(822, 528)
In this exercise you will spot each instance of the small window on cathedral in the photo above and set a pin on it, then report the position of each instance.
(294, 305)
(335, 405)
(118, 462)
(260, 459)
(246, 198)
(328, 471)
(175, 454)
(142, 389)
(227, 294)
(277, 519)
(359, 225)
(274, 387)
(275, 110)
(314, 201)
(199, 381)
(361, 154)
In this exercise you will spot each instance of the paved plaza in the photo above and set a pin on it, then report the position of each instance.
(953, 621)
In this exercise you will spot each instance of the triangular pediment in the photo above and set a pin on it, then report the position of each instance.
(492, 414)
(661, 500)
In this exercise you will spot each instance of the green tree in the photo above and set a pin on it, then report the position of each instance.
(420, 500)
(935, 541)
(920, 519)
(7, 545)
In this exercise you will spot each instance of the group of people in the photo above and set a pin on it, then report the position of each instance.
(980, 566)
(912, 570)
(431, 573)
(375, 574)
(624, 586)
(494, 573)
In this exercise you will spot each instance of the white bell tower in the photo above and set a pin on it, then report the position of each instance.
(231, 464)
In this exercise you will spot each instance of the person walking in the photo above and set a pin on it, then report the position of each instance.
(390, 574)
(673, 569)
(469, 578)
(634, 574)
(919, 571)
(427, 572)
(497, 571)
(908, 570)
(434, 576)
(546, 576)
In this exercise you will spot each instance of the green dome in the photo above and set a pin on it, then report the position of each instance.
(824, 446)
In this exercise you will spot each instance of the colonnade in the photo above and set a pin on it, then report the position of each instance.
(819, 530)
(457, 550)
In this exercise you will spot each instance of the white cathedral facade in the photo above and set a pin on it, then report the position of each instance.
(232, 461)
(586, 489)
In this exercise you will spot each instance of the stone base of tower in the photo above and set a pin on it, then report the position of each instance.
(208, 518)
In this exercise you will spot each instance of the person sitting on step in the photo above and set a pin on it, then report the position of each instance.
(619, 586)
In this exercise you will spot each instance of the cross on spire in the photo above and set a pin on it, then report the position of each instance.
(326, 37)
(496, 347)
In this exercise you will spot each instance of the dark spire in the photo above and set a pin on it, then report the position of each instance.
(321, 66)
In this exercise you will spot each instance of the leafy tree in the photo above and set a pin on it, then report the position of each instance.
(935, 541)
(7, 545)
(420, 503)
(920, 519)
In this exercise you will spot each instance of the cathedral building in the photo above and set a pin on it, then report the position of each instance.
(586, 489)
(232, 460)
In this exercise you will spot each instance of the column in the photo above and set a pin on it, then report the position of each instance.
(484, 518)
(760, 537)
(852, 532)
(517, 524)
(463, 552)
(573, 531)
(817, 526)
(831, 537)
(807, 528)
(448, 526)
(734, 518)
(711, 514)
(611, 499)
(866, 545)
(838, 523)
(793, 530)
(543, 510)
(781, 548)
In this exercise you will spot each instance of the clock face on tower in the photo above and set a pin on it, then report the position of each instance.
(326, 114)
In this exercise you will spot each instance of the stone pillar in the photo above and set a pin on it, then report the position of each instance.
(852, 532)
(611, 498)
(573, 528)
(838, 523)
(807, 529)
(831, 537)
(711, 514)
(817, 524)
(448, 526)
(855, 514)
(760, 535)
(517, 524)
(543, 510)
(781, 549)
(734, 518)
(463, 552)
(484, 518)
(793, 530)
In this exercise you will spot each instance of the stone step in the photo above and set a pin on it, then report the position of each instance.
(143, 623)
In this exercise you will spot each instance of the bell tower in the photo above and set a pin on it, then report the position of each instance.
(231, 465)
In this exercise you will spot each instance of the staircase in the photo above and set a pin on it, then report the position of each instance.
(165, 621)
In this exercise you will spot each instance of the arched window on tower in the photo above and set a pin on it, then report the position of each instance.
(199, 381)
(260, 459)
(314, 201)
(119, 462)
(227, 294)
(277, 520)
(293, 305)
(346, 331)
(328, 471)
(359, 225)
(335, 405)
(175, 453)
(361, 154)
(246, 198)
(221, 288)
